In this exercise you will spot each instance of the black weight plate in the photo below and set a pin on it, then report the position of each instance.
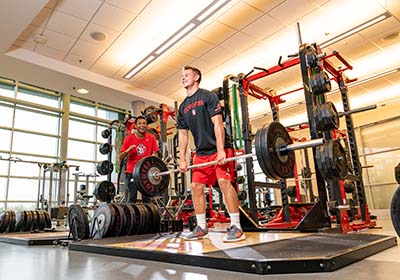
(395, 210)
(320, 157)
(40, 219)
(327, 117)
(105, 148)
(320, 83)
(11, 226)
(78, 222)
(35, 221)
(142, 176)
(105, 167)
(102, 222)
(150, 221)
(259, 155)
(397, 173)
(130, 218)
(4, 221)
(331, 160)
(271, 139)
(47, 219)
(156, 217)
(119, 221)
(20, 220)
(134, 222)
(105, 191)
(28, 222)
(139, 226)
(106, 133)
(340, 159)
(147, 219)
(142, 219)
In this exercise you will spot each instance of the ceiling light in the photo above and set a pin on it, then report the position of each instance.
(215, 6)
(212, 8)
(176, 37)
(82, 91)
(355, 30)
(139, 66)
(373, 77)
(98, 36)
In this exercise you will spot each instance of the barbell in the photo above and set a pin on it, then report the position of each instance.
(274, 153)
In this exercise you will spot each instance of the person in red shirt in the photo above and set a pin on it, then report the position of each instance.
(136, 146)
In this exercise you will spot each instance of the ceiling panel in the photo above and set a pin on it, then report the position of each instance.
(80, 61)
(237, 43)
(106, 65)
(112, 17)
(291, 10)
(86, 49)
(66, 24)
(240, 16)
(264, 5)
(359, 50)
(178, 59)
(386, 38)
(217, 55)
(216, 34)
(50, 52)
(169, 85)
(380, 28)
(134, 7)
(58, 41)
(196, 47)
(263, 27)
(78, 8)
(163, 70)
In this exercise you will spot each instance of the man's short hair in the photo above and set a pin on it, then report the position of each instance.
(140, 118)
(195, 70)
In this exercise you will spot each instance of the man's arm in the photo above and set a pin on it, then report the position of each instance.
(123, 154)
(183, 143)
(219, 136)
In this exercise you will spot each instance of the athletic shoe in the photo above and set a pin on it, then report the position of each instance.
(234, 234)
(197, 233)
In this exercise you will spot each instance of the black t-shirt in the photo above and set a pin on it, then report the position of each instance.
(195, 114)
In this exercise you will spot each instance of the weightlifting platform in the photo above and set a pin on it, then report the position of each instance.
(260, 253)
(31, 239)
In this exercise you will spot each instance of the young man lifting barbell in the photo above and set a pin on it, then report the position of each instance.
(201, 113)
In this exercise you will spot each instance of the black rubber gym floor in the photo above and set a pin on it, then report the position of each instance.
(320, 252)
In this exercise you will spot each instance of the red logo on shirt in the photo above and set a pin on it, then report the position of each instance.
(193, 105)
(141, 149)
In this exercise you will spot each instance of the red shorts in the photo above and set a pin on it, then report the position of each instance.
(209, 174)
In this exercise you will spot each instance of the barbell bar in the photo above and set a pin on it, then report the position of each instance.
(274, 151)
(283, 150)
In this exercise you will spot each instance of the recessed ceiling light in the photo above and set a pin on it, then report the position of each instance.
(82, 91)
(99, 36)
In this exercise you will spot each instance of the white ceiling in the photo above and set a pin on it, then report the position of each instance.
(243, 34)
